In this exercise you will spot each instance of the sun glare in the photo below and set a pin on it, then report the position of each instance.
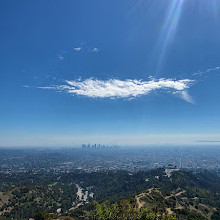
(169, 28)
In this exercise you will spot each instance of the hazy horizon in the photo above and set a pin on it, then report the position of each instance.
(119, 140)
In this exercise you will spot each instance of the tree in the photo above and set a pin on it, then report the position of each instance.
(44, 216)
(123, 211)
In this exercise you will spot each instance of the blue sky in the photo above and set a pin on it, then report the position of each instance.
(118, 72)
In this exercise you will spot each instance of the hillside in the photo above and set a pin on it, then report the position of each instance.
(175, 192)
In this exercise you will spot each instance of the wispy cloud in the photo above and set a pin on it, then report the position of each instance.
(84, 47)
(209, 141)
(77, 49)
(114, 88)
(95, 49)
(61, 58)
(184, 95)
(207, 71)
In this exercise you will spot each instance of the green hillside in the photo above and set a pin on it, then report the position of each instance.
(175, 193)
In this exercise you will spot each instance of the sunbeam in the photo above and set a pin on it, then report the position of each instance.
(215, 7)
(169, 29)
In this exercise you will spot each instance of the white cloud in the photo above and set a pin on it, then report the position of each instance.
(83, 47)
(61, 58)
(77, 49)
(114, 88)
(184, 95)
(207, 71)
(95, 49)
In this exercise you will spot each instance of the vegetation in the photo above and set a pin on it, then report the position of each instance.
(195, 195)
(44, 215)
(125, 210)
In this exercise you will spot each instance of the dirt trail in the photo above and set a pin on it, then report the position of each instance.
(180, 193)
(170, 212)
(140, 204)
(177, 194)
